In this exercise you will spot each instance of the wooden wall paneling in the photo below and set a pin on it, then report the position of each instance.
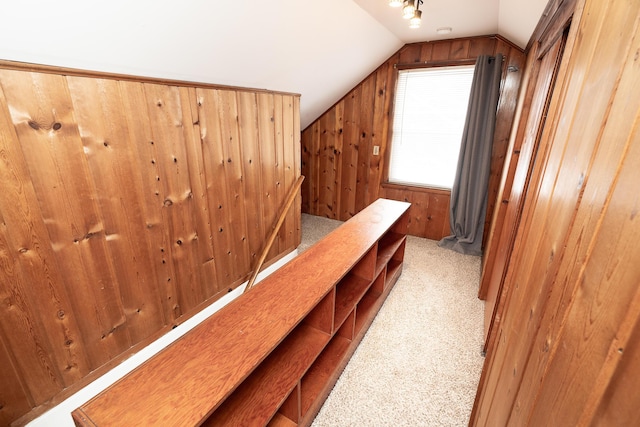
(492, 284)
(441, 51)
(379, 131)
(437, 215)
(281, 186)
(291, 169)
(541, 241)
(296, 153)
(112, 190)
(481, 45)
(367, 119)
(336, 160)
(605, 288)
(409, 53)
(327, 164)
(232, 152)
(29, 302)
(426, 51)
(45, 124)
(365, 149)
(350, 152)
(203, 239)
(266, 146)
(164, 105)
(99, 113)
(215, 161)
(251, 175)
(13, 396)
(459, 49)
(585, 348)
(587, 306)
(617, 405)
(493, 249)
(151, 202)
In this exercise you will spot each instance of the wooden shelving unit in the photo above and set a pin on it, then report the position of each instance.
(271, 356)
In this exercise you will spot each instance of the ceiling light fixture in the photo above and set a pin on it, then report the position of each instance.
(410, 10)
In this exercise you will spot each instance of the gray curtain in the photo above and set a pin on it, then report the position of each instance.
(469, 192)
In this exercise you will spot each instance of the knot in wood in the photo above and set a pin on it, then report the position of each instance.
(57, 126)
(168, 202)
(60, 314)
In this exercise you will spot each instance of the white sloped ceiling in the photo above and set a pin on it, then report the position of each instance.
(319, 49)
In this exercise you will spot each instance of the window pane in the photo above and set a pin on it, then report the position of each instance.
(429, 115)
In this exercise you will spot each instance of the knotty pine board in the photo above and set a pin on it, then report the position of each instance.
(127, 204)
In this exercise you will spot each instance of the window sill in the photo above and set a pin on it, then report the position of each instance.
(416, 188)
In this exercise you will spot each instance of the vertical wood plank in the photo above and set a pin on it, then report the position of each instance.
(251, 164)
(297, 160)
(481, 45)
(459, 49)
(281, 191)
(336, 163)
(266, 131)
(441, 50)
(350, 149)
(217, 189)
(326, 203)
(13, 395)
(379, 129)
(43, 117)
(99, 113)
(410, 53)
(165, 111)
(157, 234)
(203, 239)
(365, 149)
(289, 166)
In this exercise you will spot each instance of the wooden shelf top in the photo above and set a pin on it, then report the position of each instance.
(181, 385)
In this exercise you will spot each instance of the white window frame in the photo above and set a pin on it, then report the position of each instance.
(414, 140)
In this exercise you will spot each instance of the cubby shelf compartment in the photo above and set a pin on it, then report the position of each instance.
(387, 247)
(271, 356)
(280, 420)
(315, 382)
(369, 303)
(258, 397)
(348, 292)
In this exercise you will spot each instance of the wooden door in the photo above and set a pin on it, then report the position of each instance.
(542, 69)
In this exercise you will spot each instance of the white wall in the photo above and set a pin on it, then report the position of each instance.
(319, 49)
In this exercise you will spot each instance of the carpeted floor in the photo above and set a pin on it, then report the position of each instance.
(419, 363)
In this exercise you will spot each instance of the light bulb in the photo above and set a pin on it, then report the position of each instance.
(395, 3)
(408, 9)
(415, 21)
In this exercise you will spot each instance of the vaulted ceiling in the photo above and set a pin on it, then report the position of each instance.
(319, 49)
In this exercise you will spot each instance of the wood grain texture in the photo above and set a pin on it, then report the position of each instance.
(126, 207)
(343, 174)
(566, 348)
(251, 355)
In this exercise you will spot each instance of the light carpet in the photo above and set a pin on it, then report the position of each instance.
(420, 361)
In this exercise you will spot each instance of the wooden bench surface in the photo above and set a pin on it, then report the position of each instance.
(185, 382)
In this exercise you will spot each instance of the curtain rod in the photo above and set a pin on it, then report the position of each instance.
(442, 63)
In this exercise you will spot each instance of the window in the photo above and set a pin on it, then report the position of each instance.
(429, 115)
